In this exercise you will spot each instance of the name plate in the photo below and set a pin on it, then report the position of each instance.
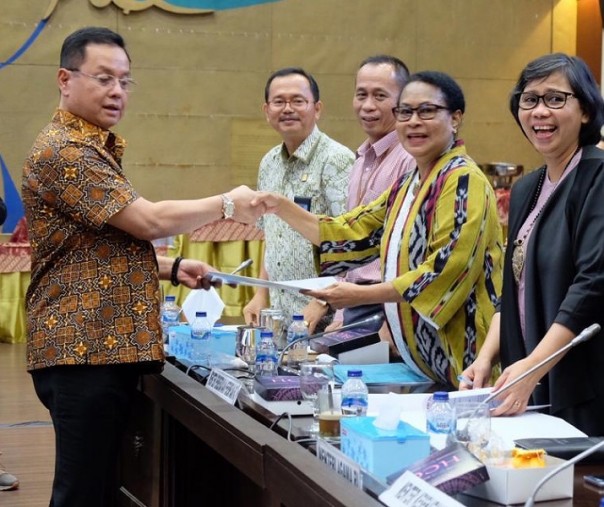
(339, 463)
(410, 490)
(224, 385)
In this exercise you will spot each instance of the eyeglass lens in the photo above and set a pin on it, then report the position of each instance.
(295, 103)
(552, 100)
(425, 111)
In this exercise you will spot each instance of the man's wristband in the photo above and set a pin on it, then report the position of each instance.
(174, 274)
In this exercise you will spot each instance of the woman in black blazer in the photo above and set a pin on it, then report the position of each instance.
(553, 285)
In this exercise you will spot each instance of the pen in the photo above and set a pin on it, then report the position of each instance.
(465, 380)
(242, 266)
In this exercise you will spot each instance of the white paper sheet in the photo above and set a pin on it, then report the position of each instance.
(293, 285)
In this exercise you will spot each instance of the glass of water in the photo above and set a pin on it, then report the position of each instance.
(313, 378)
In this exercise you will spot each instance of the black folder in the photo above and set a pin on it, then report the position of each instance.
(565, 448)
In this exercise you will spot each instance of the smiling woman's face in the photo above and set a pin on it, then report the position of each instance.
(426, 140)
(553, 132)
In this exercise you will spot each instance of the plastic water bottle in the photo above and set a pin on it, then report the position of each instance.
(201, 332)
(266, 355)
(169, 316)
(355, 395)
(298, 353)
(440, 419)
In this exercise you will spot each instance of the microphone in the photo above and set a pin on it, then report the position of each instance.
(531, 499)
(242, 266)
(378, 317)
(583, 336)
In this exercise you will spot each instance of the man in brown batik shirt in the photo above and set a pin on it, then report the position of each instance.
(93, 303)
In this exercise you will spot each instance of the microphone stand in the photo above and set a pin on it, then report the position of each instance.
(369, 320)
(584, 335)
(531, 500)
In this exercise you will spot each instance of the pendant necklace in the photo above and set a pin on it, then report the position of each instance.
(518, 251)
(518, 254)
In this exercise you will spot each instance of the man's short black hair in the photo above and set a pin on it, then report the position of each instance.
(401, 71)
(73, 51)
(288, 71)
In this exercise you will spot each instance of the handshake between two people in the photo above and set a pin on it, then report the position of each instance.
(249, 205)
(244, 205)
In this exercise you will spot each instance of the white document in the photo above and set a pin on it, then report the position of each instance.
(293, 285)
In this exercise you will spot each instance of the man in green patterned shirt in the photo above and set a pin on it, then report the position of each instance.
(309, 168)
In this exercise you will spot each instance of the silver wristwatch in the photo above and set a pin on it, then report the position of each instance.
(228, 206)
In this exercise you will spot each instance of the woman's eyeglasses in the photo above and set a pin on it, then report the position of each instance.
(552, 100)
(424, 111)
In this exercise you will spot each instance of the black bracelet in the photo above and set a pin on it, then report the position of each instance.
(174, 274)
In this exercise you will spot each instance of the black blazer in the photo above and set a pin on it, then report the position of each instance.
(564, 283)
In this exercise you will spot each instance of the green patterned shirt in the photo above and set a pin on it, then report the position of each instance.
(319, 169)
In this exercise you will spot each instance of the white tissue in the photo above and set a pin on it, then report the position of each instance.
(389, 414)
(203, 301)
(326, 359)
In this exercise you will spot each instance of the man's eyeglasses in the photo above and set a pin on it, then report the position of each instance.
(424, 111)
(552, 100)
(108, 80)
(297, 103)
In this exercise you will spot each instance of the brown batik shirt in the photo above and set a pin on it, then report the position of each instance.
(94, 292)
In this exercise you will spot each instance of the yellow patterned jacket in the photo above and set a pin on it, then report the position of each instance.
(448, 261)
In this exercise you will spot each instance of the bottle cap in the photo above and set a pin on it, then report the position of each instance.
(355, 373)
(201, 314)
(170, 298)
(266, 333)
(441, 396)
(297, 316)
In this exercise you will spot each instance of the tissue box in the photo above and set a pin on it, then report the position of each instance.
(222, 340)
(515, 485)
(382, 452)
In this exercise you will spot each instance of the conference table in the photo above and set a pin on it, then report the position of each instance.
(224, 244)
(187, 447)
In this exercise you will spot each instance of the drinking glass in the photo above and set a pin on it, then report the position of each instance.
(473, 424)
(314, 377)
(330, 412)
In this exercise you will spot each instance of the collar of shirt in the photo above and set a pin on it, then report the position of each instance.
(305, 150)
(381, 146)
(91, 133)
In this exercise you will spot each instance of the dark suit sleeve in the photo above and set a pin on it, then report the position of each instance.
(2, 211)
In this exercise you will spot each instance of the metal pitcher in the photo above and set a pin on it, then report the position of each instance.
(245, 345)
